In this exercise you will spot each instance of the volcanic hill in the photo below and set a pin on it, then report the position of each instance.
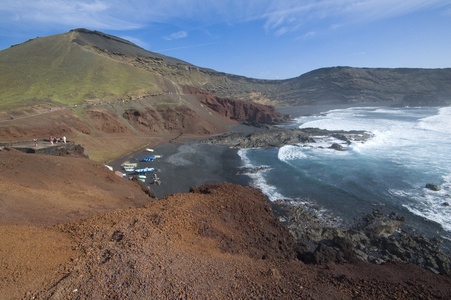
(114, 97)
(86, 86)
(84, 65)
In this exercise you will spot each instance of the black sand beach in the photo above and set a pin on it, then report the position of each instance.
(193, 164)
(190, 164)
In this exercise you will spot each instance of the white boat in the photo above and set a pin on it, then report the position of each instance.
(144, 170)
(130, 167)
(150, 150)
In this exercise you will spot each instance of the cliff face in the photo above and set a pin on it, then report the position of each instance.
(239, 110)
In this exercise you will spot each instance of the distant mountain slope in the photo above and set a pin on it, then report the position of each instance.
(84, 65)
(367, 85)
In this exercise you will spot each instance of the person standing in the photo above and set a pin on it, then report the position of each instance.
(51, 140)
(64, 139)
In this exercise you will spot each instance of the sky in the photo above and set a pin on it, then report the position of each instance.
(266, 39)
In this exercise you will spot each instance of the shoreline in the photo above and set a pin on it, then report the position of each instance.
(186, 155)
(192, 163)
(188, 164)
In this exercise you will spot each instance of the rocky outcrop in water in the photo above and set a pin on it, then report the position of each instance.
(277, 137)
(432, 187)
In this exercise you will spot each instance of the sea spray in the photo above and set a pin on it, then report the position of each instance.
(410, 147)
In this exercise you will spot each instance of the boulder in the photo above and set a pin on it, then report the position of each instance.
(432, 187)
(337, 147)
(380, 224)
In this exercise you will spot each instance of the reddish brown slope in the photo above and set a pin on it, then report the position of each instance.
(241, 111)
(46, 190)
(218, 242)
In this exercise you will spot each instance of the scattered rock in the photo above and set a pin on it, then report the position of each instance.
(144, 187)
(376, 238)
(252, 170)
(337, 147)
(432, 187)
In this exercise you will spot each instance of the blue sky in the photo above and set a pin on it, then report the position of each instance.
(270, 39)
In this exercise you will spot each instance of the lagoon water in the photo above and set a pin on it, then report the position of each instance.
(410, 147)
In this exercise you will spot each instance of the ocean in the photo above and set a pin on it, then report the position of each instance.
(410, 147)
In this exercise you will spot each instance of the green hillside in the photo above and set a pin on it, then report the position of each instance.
(56, 70)
(84, 65)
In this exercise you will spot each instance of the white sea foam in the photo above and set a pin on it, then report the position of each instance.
(290, 152)
(432, 211)
(410, 147)
(429, 204)
(242, 153)
(258, 179)
(269, 190)
(408, 139)
(440, 122)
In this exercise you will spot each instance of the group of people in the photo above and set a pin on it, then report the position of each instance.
(56, 140)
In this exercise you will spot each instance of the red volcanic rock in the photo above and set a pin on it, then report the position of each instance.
(241, 111)
(220, 241)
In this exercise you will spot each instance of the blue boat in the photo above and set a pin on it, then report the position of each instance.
(144, 170)
(151, 158)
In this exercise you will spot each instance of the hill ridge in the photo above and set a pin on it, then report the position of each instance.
(85, 37)
(132, 70)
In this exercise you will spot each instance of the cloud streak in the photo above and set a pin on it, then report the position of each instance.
(280, 17)
(176, 36)
(288, 16)
(97, 14)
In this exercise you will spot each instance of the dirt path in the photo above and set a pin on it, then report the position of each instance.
(25, 116)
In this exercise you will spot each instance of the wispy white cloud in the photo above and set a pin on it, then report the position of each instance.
(306, 35)
(280, 17)
(92, 14)
(176, 36)
(286, 16)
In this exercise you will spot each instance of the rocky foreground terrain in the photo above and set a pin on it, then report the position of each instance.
(72, 229)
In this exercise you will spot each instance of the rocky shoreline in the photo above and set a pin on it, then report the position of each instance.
(273, 136)
(378, 238)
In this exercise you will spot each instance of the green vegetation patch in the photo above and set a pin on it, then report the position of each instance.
(53, 69)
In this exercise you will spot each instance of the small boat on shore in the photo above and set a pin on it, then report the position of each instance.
(151, 158)
(129, 167)
(144, 170)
